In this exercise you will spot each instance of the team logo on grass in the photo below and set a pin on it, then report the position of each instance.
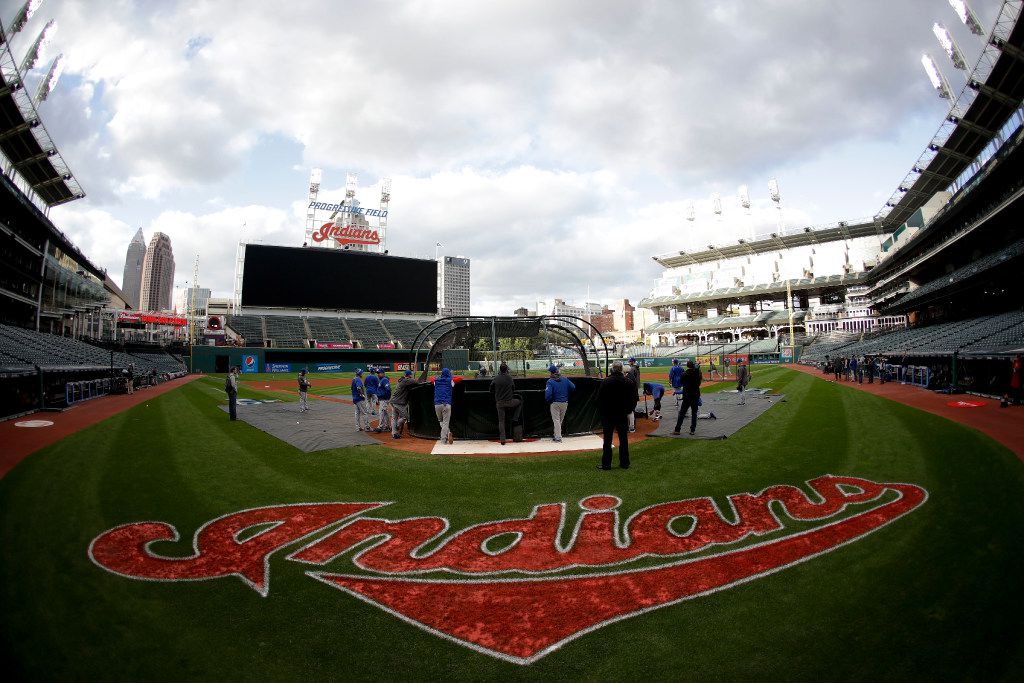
(512, 588)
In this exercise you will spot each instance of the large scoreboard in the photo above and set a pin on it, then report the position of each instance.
(331, 279)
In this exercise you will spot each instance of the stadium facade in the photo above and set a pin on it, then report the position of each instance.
(931, 283)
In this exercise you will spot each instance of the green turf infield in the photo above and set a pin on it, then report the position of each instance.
(936, 594)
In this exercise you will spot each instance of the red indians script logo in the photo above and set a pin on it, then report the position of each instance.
(346, 234)
(518, 589)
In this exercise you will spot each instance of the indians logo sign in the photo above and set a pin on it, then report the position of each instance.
(512, 588)
(346, 234)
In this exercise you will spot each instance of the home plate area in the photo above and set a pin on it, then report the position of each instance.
(586, 442)
(730, 415)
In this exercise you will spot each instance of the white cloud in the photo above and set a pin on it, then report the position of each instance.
(554, 143)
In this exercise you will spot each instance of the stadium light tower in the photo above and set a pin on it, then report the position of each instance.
(315, 176)
(50, 82)
(22, 17)
(969, 19)
(691, 216)
(32, 55)
(382, 222)
(938, 81)
(716, 203)
(744, 195)
(773, 192)
(949, 46)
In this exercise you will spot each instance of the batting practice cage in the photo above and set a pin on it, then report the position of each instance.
(528, 344)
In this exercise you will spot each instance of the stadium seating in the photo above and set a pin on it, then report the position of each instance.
(50, 352)
(329, 329)
(248, 327)
(960, 275)
(985, 334)
(403, 331)
(286, 331)
(368, 332)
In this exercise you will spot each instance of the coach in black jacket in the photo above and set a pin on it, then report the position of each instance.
(691, 396)
(505, 399)
(616, 399)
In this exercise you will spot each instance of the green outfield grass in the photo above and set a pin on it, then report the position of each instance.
(936, 594)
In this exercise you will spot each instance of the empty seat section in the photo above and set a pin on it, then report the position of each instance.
(286, 331)
(248, 327)
(368, 332)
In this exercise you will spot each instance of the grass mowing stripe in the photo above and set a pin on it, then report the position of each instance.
(933, 594)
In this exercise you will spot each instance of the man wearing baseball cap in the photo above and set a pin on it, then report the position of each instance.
(400, 404)
(383, 398)
(359, 401)
(556, 393)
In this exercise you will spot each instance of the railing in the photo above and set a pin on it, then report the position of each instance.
(76, 392)
(917, 375)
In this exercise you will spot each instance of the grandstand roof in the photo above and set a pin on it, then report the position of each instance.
(994, 92)
(786, 240)
(757, 292)
(25, 142)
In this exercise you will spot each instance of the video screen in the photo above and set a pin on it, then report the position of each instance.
(330, 279)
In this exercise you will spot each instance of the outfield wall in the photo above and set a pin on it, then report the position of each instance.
(253, 359)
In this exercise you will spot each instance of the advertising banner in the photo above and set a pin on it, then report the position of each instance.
(386, 345)
(249, 363)
(155, 318)
(708, 360)
(334, 345)
(654, 362)
(278, 367)
(764, 359)
(735, 358)
(787, 355)
(327, 367)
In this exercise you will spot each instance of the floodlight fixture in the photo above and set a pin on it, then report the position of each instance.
(969, 19)
(744, 197)
(949, 46)
(773, 190)
(315, 176)
(22, 17)
(716, 203)
(938, 81)
(32, 55)
(691, 215)
(50, 82)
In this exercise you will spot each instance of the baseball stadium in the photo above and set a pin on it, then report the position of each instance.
(849, 504)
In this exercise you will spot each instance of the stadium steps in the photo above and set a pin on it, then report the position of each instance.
(348, 330)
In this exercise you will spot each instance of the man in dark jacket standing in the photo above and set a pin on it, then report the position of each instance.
(742, 380)
(303, 391)
(505, 399)
(691, 397)
(400, 404)
(632, 374)
(231, 388)
(616, 399)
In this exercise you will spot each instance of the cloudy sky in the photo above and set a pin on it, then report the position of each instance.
(556, 144)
